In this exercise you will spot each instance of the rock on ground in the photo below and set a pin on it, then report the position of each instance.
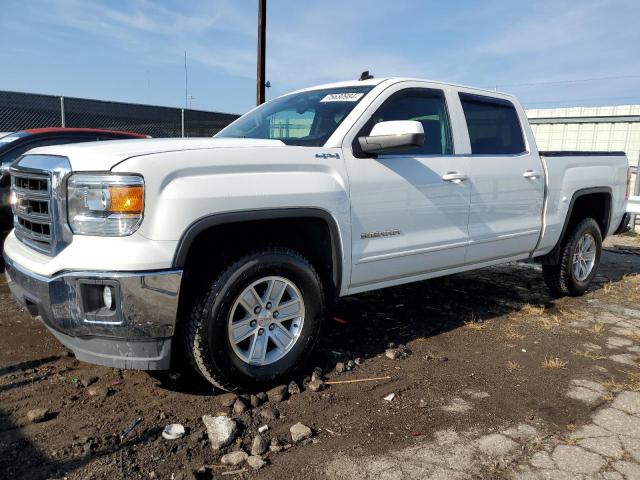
(293, 388)
(259, 445)
(221, 430)
(300, 432)
(316, 385)
(256, 462)
(37, 415)
(277, 394)
(239, 407)
(234, 458)
(227, 399)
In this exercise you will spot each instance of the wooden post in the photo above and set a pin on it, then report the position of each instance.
(262, 34)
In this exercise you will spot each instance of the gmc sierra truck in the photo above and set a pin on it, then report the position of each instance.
(226, 251)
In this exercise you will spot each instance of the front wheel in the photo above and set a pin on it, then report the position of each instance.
(579, 260)
(258, 320)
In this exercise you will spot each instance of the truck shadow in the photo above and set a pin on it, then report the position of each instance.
(364, 325)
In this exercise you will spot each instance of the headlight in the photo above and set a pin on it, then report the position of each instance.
(107, 205)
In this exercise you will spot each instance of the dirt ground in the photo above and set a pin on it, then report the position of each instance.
(496, 380)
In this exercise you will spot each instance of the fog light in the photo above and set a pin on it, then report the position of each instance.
(107, 297)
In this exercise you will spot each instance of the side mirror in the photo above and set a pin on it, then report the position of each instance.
(393, 135)
(4, 169)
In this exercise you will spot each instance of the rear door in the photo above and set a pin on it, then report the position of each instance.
(409, 209)
(507, 180)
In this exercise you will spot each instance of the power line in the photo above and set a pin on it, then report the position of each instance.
(548, 102)
(560, 82)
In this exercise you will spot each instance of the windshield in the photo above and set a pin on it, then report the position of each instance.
(305, 118)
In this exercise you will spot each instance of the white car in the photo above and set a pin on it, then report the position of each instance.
(228, 250)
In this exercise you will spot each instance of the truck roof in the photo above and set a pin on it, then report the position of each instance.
(392, 80)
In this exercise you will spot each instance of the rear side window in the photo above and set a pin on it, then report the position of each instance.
(494, 128)
(422, 105)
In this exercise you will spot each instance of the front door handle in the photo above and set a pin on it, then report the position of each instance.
(454, 177)
(531, 174)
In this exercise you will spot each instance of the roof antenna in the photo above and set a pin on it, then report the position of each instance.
(365, 76)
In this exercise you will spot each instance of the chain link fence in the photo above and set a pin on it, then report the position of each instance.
(20, 111)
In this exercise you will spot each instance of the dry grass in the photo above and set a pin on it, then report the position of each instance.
(511, 334)
(554, 363)
(531, 310)
(566, 313)
(475, 323)
(513, 366)
(549, 322)
(631, 383)
(606, 288)
(631, 277)
(591, 355)
(569, 441)
(596, 328)
(633, 336)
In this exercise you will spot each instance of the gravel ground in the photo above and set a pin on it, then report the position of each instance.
(481, 375)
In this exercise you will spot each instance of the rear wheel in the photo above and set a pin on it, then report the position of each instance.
(258, 320)
(579, 260)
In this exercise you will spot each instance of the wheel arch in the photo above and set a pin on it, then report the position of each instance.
(584, 203)
(210, 223)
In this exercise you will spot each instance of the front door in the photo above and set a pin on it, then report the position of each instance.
(409, 209)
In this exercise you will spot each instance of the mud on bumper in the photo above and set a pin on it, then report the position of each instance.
(136, 333)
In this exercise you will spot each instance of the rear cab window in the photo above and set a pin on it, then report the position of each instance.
(493, 125)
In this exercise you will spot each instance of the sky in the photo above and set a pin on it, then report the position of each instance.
(550, 53)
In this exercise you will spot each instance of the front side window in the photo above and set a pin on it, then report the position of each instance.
(494, 128)
(305, 118)
(422, 105)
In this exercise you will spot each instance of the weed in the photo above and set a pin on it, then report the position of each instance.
(531, 310)
(591, 355)
(513, 335)
(475, 323)
(554, 363)
(513, 366)
(596, 328)
(549, 322)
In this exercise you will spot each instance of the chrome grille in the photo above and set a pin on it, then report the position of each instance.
(39, 209)
(31, 209)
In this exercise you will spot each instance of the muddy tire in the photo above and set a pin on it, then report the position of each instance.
(579, 260)
(258, 320)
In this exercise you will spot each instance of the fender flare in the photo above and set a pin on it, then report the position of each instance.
(554, 255)
(240, 216)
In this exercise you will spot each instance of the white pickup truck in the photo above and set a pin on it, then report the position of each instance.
(227, 251)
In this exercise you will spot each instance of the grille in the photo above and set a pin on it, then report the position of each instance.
(32, 217)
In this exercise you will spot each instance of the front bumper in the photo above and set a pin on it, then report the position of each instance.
(137, 336)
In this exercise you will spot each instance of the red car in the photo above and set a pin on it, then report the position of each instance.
(14, 144)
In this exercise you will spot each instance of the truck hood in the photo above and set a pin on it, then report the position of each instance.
(104, 155)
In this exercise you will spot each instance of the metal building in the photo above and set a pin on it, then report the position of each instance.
(589, 128)
(592, 128)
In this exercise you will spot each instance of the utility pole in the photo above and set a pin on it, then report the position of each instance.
(262, 37)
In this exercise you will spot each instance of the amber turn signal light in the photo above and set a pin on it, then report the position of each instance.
(126, 199)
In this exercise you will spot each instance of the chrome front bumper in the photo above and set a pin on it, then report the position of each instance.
(137, 336)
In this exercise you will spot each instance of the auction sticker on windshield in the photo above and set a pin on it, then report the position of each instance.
(342, 97)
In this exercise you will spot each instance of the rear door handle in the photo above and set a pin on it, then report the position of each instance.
(531, 174)
(454, 177)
